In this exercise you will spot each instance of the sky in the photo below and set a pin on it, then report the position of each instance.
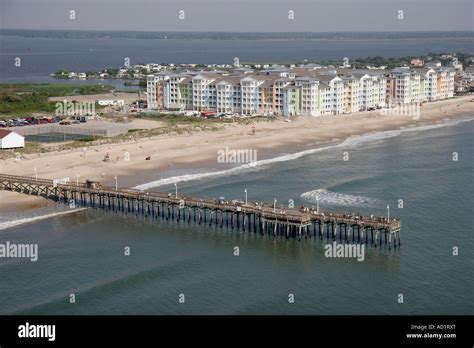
(239, 15)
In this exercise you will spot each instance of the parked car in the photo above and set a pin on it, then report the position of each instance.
(65, 123)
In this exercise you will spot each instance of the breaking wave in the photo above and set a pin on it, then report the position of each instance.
(327, 197)
(349, 142)
(8, 224)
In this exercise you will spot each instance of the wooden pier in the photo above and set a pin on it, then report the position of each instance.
(252, 217)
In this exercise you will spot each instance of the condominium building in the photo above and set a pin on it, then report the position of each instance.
(154, 89)
(439, 83)
(324, 99)
(291, 100)
(404, 86)
(351, 94)
(251, 96)
(420, 84)
(309, 95)
(173, 95)
(228, 94)
(304, 90)
(334, 103)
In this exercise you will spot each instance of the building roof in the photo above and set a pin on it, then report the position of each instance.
(227, 80)
(326, 78)
(324, 86)
(361, 72)
(254, 78)
(244, 69)
(433, 64)
(267, 83)
(291, 86)
(4, 133)
(308, 79)
(186, 80)
(310, 66)
(469, 70)
(401, 71)
(421, 71)
(206, 76)
(446, 68)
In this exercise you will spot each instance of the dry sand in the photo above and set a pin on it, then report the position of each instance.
(194, 149)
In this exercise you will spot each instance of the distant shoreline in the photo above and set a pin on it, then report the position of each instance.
(206, 35)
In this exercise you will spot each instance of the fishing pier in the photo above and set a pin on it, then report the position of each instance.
(265, 219)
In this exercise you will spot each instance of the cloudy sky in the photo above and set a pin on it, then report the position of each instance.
(239, 15)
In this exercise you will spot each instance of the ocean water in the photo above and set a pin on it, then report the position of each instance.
(83, 252)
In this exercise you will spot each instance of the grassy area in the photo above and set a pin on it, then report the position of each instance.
(19, 99)
(30, 147)
(175, 119)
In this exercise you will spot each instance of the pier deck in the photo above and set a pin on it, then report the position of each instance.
(257, 217)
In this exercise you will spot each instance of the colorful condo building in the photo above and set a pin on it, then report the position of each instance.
(420, 84)
(305, 90)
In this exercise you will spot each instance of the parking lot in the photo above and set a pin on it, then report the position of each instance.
(93, 127)
(29, 121)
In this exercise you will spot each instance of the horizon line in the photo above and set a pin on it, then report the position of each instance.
(243, 32)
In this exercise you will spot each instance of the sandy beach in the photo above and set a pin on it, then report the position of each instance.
(11, 202)
(191, 150)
